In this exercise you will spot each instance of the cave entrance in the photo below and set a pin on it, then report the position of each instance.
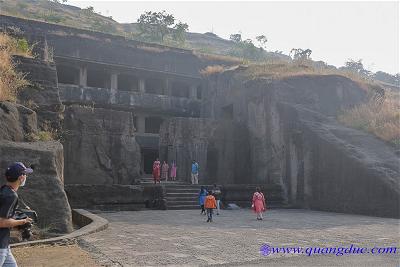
(148, 157)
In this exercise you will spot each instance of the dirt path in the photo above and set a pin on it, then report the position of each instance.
(53, 256)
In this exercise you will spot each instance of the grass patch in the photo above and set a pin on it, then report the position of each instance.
(209, 70)
(379, 116)
(215, 57)
(10, 79)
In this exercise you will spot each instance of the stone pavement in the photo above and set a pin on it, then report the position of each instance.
(182, 237)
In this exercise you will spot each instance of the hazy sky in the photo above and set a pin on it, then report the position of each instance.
(334, 31)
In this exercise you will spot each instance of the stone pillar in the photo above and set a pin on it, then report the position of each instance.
(114, 86)
(141, 124)
(83, 76)
(142, 85)
(193, 91)
(167, 87)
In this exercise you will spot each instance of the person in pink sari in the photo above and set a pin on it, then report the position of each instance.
(156, 171)
(173, 171)
(164, 171)
(258, 203)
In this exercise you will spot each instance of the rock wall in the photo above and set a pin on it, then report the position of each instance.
(44, 190)
(116, 197)
(220, 148)
(42, 95)
(17, 122)
(100, 146)
(296, 141)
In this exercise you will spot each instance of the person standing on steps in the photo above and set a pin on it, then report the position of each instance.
(195, 172)
(173, 171)
(156, 171)
(164, 171)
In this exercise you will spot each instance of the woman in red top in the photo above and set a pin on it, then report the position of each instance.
(156, 171)
(258, 203)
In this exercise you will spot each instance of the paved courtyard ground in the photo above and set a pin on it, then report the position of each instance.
(183, 238)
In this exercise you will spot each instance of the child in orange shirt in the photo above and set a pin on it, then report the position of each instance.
(210, 203)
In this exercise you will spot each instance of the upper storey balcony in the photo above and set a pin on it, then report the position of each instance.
(149, 91)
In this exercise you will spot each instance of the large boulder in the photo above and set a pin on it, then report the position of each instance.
(44, 190)
(100, 146)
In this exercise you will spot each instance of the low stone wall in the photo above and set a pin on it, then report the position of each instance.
(115, 197)
(89, 223)
(242, 194)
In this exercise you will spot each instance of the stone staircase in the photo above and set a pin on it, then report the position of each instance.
(182, 196)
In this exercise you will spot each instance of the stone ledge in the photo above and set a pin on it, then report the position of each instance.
(89, 223)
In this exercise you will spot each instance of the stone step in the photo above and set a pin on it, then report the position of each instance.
(182, 191)
(179, 198)
(183, 207)
(182, 202)
(182, 194)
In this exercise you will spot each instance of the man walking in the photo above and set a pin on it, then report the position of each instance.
(217, 194)
(16, 177)
(195, 172)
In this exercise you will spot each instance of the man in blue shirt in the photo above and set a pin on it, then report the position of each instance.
(195, 172)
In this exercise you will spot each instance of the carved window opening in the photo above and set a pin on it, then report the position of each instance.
(98, 78)
(68, 74)
(180, 89)
(152, 125)
(128, 83)
(154, 86)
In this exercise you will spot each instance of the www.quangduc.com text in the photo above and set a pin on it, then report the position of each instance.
(267, 249)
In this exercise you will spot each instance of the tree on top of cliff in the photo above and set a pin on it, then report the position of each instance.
(246, 48)
(300, 55)
(156, 26)
(356, 66)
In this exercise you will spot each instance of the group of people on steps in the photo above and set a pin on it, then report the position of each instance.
(208, 199)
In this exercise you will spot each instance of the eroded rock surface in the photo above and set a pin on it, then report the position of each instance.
(100, 146)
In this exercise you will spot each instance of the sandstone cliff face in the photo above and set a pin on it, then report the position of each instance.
(44, 191)
(295, 141)
(220, 148)
(100, 146)
(42, 95)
